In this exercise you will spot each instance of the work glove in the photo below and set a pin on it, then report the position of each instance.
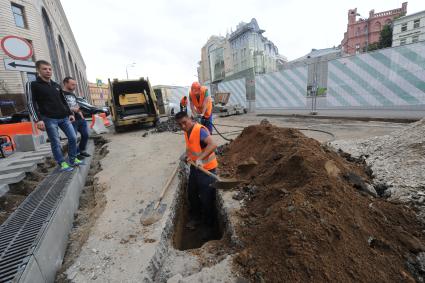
(198, 163)
(198, 118)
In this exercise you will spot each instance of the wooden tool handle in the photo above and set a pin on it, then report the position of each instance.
(204, 170)
(166, 186)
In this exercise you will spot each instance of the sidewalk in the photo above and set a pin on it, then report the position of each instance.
(356, 114)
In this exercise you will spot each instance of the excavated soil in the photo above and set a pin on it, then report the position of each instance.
(309, 215)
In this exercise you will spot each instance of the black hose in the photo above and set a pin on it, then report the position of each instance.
(301, 129)
(218, 132)
(243, 127)
(321, 131)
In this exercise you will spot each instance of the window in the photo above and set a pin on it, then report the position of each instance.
(415, 38)
(18, 14)
(416, 23)
(404, 27)
(357, 48)
(402, 41)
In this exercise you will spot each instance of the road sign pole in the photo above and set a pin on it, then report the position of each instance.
(24, 79)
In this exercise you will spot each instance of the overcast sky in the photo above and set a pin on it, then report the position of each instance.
(164, 37)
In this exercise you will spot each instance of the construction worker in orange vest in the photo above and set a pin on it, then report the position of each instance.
(200, 149)
(201, 105)
(183, 104)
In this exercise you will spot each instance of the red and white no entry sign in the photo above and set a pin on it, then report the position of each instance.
(16, 47)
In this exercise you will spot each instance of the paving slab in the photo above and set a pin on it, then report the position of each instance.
(4, 188)
(37, 159)
(12, 178)
(26, 167)
(47, 149)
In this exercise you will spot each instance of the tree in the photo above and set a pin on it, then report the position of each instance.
(386, 37)
(372, 46)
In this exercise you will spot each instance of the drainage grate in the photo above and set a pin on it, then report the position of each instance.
(20, 233)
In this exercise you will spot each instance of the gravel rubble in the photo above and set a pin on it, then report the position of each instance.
(397, 161)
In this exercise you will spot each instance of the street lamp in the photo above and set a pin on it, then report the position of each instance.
(126, 68)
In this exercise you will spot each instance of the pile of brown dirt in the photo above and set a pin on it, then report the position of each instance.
(310, 217)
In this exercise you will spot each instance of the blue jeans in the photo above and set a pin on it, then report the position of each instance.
(52, 129)
(80, 125)
(207, 122)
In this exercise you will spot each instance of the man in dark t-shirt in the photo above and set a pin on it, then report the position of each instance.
(49, 110)
(80, 124)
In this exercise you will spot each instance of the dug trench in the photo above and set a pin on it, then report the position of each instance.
(187, 238)
(193, 254)
(310, 215)
(91, 204)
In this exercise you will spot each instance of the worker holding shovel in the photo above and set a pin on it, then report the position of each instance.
(200, 154)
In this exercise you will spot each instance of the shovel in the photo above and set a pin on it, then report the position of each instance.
(220, 182)
(152, 214)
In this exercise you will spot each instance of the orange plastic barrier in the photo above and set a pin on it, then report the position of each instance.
(93, 118)
(104, 119)
(23, 128)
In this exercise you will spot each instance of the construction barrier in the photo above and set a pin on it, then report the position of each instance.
(101, 116)
(390, 78)
(99, 122)
(22, 128)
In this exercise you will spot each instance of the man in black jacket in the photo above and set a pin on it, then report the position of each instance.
(49, 110)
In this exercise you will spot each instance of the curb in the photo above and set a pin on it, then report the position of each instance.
(353, 118)
(49, 251)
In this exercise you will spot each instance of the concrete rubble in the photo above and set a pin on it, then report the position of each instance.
(397, 161)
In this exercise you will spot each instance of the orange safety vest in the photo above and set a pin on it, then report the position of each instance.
(194, 150)
(198, 103)
(183, 101)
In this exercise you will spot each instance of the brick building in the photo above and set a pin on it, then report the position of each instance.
(99, 94)
(365, 31)
(44, 24)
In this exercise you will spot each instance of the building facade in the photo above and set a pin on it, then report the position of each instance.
(44, 24)
(365, 31)
(99, 94)
(409, 29)
(242, 50)
(250, 49)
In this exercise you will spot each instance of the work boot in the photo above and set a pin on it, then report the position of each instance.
(84, 154)
(65, 167)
